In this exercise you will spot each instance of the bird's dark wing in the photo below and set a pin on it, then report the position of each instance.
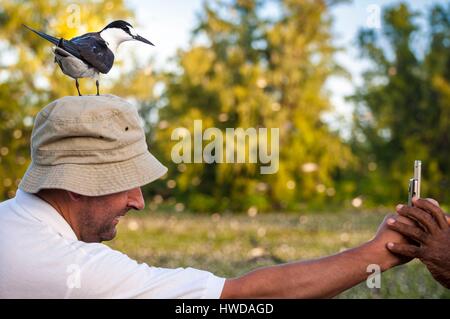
(94, 51)
(69, 47)
(89, 47)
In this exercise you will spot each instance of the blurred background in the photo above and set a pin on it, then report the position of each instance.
(358, 89)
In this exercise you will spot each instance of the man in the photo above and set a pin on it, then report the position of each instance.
(89, 160)
(430, 235)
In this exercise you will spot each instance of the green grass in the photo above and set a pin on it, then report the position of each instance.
(230, 245)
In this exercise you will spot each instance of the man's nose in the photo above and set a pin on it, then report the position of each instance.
(135, 199)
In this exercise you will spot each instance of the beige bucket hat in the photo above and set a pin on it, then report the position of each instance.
(90, 145)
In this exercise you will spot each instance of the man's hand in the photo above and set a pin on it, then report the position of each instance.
(386, 235)
(431, 233)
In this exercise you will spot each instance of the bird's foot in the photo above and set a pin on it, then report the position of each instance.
(97, 85)
(78, 87)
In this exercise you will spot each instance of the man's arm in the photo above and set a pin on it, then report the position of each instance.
(432, 235)
(320, 278)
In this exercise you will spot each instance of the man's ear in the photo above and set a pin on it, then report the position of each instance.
(74, 196)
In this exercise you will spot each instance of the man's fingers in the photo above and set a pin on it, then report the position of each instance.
(434, 210)
(412, 232)
(406, 250)
(420, 216)
(433, 201)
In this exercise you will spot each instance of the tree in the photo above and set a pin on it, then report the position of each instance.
(403, 108)
(245, 70)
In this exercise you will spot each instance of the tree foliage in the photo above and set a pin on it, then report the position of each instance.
(403, 108)
(248, 70)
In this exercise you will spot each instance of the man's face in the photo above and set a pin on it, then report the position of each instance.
(99, 215)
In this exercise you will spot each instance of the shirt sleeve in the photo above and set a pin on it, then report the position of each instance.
(107, 273)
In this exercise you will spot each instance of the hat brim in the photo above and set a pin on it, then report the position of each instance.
(94, 180)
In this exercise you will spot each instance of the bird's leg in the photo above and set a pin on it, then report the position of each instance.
(78, 87)
(97, 85)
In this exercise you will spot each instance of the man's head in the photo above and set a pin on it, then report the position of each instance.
(89, 160)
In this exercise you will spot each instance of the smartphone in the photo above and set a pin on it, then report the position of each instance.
(414, 183)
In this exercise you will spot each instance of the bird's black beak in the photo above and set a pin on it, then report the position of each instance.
(142, 39)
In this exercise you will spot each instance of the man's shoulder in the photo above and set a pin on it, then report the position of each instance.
(11, 216)
(5, 207)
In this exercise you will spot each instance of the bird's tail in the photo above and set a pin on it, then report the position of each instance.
(47, 37)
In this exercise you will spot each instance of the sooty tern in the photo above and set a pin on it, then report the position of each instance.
(92, 53)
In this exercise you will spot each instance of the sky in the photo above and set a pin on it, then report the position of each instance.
(168, 24)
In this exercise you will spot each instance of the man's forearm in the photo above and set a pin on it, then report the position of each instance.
(321, 278)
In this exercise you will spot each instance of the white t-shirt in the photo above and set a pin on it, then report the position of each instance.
(40, 257)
